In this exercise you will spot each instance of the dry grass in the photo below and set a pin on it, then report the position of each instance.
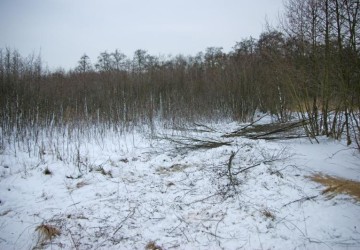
(268, 214)
(46, 233)
(152, 246)
(336, 185)
(81, 184)
(102, 171)
(173, 169)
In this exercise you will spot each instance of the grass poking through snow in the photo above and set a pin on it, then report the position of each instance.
(336, 185)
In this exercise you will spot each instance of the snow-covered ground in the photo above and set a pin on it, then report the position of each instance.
(124, 191)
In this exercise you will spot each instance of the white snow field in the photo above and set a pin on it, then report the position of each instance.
(177, 189)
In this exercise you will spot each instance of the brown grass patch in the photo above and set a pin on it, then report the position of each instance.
(152, 246)
(81, 184)
(268, 214)
(173, 169)
(46, 233)
(336, 185)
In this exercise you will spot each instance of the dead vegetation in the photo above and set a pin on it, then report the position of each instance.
(81, 184)
(47, 171)
(5, 212)
(46, 234)
(102, 171)
(268, 214)
(272, 131)
(174, 168)
(336, 185)
(152, 246)
(195, 143)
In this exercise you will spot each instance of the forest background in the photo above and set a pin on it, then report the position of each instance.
(309, 67)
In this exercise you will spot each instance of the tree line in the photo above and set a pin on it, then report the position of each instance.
(308, 67)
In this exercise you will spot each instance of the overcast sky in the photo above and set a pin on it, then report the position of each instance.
(63, 30)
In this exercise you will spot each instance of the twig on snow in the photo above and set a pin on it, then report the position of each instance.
(301, 200)
(217, 225)
(76, 246)
(125, 219)
(201, 200)
(182, 230)
(255, 165)
(119, 227)
(231, 158)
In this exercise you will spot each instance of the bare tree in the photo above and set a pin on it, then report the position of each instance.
(84, 64)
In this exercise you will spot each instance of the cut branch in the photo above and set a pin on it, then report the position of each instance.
(255, 165)
(301, 200)
(229, 167)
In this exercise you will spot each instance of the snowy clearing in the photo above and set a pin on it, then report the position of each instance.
(174, 191)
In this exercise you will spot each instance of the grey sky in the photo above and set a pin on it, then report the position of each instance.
(65, 29)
